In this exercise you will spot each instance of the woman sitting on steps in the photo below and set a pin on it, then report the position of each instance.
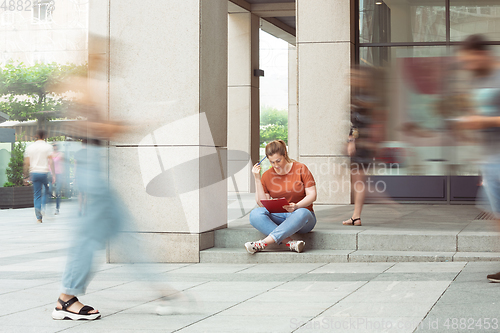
(286, 179)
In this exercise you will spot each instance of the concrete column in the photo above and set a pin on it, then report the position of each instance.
(168, 74)
(243, 99)
(325, 48)
(293, 115)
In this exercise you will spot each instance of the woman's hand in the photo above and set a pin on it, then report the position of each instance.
(256, 171)
(292, 207)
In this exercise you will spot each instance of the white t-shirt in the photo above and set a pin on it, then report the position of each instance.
(38, 153)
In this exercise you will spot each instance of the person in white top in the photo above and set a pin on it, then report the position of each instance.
(37, 160)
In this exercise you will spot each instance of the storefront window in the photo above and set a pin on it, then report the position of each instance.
(424, 86)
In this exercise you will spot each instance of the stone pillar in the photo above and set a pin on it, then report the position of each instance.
(168, 76)
(293, 115)
(325, 46)
(243, 133)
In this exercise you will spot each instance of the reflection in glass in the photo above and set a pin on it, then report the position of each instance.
(472, 17)
(425, 89)
(402, 21)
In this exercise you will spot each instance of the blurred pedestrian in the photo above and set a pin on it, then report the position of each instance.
(37, 161)
(105, 216)
(80, 168)
(364, 135)
(57, 173)
(477, 57)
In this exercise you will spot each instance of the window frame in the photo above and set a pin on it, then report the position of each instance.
(46, 6)
(447, 43)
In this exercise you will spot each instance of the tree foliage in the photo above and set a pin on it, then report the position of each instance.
(25, 91)
(15, 168)
(273, 125)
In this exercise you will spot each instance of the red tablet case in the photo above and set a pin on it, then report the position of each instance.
(275, 205)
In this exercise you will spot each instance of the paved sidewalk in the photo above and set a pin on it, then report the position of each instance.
(319, 297)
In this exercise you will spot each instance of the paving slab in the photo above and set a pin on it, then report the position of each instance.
(221, 323)
(375, 309)
(415, 277)
(211, 268)
(400, 256)
(369, 267)
(337, 277)
(358, 324)
(284, 309)
(429, 267)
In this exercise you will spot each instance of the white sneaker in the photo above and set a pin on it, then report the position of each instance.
(166, 309)
(296, 245)
(253, 247)
(180, 304)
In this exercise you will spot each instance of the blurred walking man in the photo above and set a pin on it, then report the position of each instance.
(477, 57)
(36, 160)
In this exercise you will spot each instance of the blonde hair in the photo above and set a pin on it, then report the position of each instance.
(277, 147)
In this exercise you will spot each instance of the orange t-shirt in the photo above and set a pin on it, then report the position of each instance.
(291, 186)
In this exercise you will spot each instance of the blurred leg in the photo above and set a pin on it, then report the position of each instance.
(58, 190)
(45, 191)
(37, 194)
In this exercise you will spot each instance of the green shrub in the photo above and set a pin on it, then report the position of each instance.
(15, 168)
(273, 125)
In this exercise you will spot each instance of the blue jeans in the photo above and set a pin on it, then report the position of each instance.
(104, 219)
(40, 190)
(282, 225)
(491, 183)
(58, 185)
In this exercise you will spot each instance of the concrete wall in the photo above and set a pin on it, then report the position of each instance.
(293, 115)
(325, 47)
(243, 100)
(62, 39)
(168, 73)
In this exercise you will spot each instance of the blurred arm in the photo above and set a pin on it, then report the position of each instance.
(478, 122)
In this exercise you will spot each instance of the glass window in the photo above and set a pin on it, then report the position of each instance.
(424, 87)
(42, 11)
(386, 21)
(472, 17)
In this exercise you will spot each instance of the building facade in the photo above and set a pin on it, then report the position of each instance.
(44, 31)
(195, 65)
(188, 71)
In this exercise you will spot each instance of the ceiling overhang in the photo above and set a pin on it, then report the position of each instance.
(277, 17)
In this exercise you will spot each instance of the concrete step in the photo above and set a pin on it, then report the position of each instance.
(239, 255)
(317, 240)
(391, 233)
(373, 240)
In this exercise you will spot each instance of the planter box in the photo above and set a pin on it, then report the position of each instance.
(16, 197)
